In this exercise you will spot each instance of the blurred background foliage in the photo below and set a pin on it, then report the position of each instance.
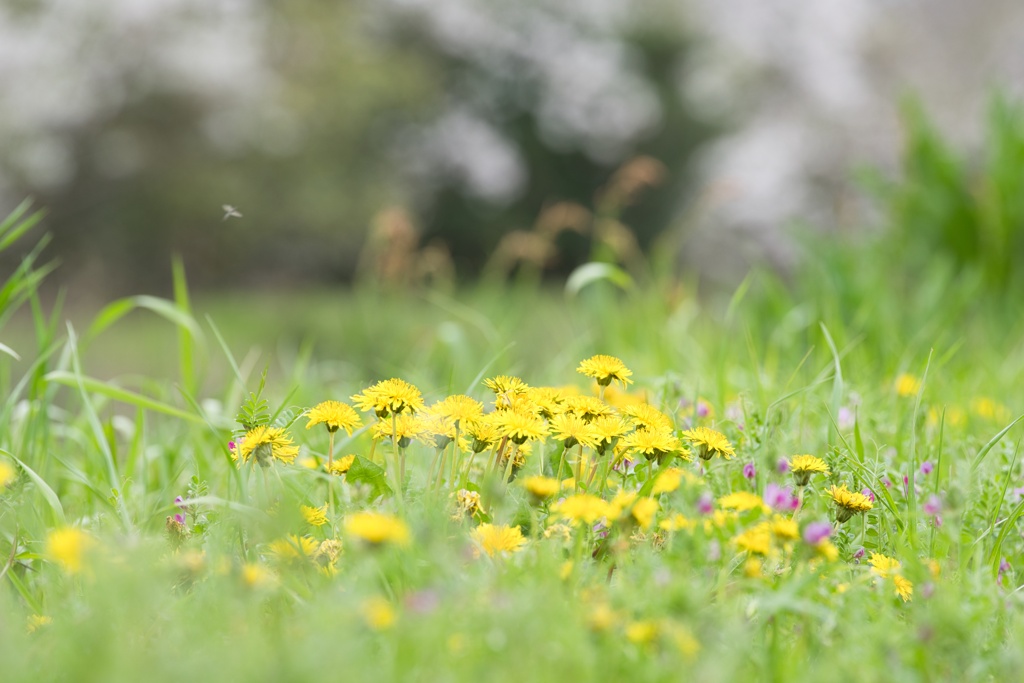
(450, 127)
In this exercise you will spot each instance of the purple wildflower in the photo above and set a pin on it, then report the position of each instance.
(887, 482)
(1004, 566)
(780, 499)
(927, 467)
(749, 471)
(816, 532)
(703, 409)
(706, 504)
(179, 518)
(868, 493)
(858, 554)
(933, 505)
(846, 419)
(782, 466)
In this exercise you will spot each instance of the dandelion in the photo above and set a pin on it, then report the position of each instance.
(571, 430)
(467, 504)
(904, 588)
(506, 388)
(668, 480)
(641, 632)
(256, 576)
(37, 621)
(848, 503)
(377, 528)
(326, 556)
(314, 516)
(68, 547)
(587, 407)
(334, 415)
(606, 369)
(741, 501)
(403, 428)
(263, 445)
(342, 465)
(887, 567)
(709, 443)
(653, 444)
(494, 539)
(391, 396)
(609, 428)
(643, 511)
(7, 474)
(645, 416)
(520, 427)
(803, 466)
(294, 549)
(756, 540)
(378, 613)
(582, 507)
(462, 411)
(541, 488)
(907, 385)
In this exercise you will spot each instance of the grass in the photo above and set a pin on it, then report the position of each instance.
(107, 420)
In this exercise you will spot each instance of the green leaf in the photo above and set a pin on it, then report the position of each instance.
(991, 443)
(365, 472)
(595, 271)
(162, 307)
(48, 493)
(118, 394)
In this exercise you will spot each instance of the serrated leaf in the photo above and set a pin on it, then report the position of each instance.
(365, 472)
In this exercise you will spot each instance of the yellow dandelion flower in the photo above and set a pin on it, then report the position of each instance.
(608, 428)
(645, 416)
(462, 411)
(653, 444)
(643, 511)
(37, 621)
(904, 588)
(907, 385)
(506, 388)
(848, 502)
(709, 443)
(390, 396)
(828, 550)
(377, 528)
(342, 465)
(520, 427)
(572, 429)
(784, 528)
(326, 556)
(486, 432)
(406, 428)
(257, 576)
(988, 409)
(756, 540)
(334, 415)
(803, 466)
(683, 639)
(265, 444)
(606, 369)
(68, 547)
(753, 568)
(742, 501)
(601, 617)
(583, 507)
(589, 408)
(541, 488)
(7, 474)
(548, 399)
(677, 522)
(494, 539)
(467, 504)
(378, 613)
(642, 632)
(294, 549)
(314, 516)
(883, 566)
(668, 480)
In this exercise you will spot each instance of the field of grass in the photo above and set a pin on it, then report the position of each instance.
(787, 483)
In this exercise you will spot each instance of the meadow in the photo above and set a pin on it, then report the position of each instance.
(622, 480)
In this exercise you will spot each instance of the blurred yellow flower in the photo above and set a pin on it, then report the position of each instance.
(7, 474)
(907, 385)
(583, 507)
(668, 480)
(342, 465)
(68, 547)
(541, 488)
(378, 613)
(494, 539)
(377, 528)
(294, 549)
(257, 576)
(38, 621)
(757, 539)
(742, 501)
